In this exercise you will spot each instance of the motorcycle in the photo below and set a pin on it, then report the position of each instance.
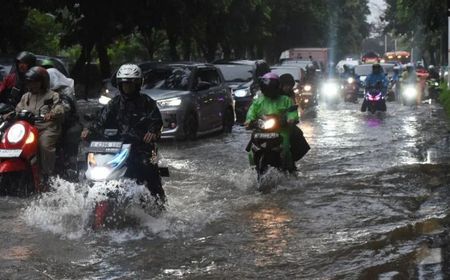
(374, 100)
(331, 91)
(108, 160)
(350, 89)
(433, 88)
(305, 96)
(266, 144)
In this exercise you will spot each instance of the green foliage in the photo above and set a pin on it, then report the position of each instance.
(42, 33)
(444, 98)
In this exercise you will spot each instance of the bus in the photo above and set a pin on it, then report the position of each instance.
(399, 56)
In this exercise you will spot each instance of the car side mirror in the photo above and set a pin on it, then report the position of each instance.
(203, 86)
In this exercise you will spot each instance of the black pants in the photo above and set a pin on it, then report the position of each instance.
(141, 169)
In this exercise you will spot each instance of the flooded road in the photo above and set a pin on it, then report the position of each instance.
(370, 201)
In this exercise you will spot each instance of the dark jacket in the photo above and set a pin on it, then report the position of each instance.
(12, 88)
(125, 114)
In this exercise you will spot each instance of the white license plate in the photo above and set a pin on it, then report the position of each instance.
(104, 144)
(266, 135)
(4, 153)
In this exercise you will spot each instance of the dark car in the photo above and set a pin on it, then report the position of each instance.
(242, 76)
(193, 100)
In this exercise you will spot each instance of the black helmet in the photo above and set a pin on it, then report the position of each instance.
(287, 80)
(40, 74)
(26, 57)
(377, 69)
(270, 85)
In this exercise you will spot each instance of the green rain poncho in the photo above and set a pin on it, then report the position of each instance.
(267, 106)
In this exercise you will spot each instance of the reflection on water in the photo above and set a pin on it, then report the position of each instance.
(15, 253)
(272, 232)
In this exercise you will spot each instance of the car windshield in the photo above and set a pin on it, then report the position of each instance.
(178, 79)
(236, 72)
(294, 71)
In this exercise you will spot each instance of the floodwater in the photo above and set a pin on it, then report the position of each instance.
(370, 201)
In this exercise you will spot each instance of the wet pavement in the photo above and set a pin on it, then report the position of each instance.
(370, 201)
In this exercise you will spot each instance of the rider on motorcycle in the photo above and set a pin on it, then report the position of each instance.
(273, 102)
(40, 100)
(13, 86)
(287, 84)
(376, 77)
(71, 127)
(122, 113)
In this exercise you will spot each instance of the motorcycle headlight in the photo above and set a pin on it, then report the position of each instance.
(15, 133)
(410, 92)
(268, 124)
(307, 87)
(170, 102)
(350, 80)
(330, 89)
(242, 93)
(436, 84)
(104, 100)
(100, 173)
(296, 90)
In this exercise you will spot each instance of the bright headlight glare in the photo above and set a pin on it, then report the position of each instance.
(16, 133)
(100, 173)
(307, 88)
(436, 84)
(410, 92)
(350, 80)
(242, 93)
(330, 89)
(296, 90)
(268, 124)
(104, 99)
(170, 102)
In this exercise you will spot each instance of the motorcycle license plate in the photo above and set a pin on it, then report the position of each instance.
(105, 147)
(266, 135)
(4, 153)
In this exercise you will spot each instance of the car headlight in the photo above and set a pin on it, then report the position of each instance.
(268, 124)
(410, 92)
(350, 80)
(170, 102)
(241, 92)
(16, 133)
(307, 87)
(100, 173)
(104, 100)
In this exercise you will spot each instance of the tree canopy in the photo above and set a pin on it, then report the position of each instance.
(188, 30)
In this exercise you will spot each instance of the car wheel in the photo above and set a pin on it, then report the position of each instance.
(228, 120)
(190, 126)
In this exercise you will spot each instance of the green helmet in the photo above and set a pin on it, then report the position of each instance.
(47, 63)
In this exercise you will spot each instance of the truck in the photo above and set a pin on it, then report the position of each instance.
(320, 55)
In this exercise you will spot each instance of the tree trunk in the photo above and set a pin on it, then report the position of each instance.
(105, 66)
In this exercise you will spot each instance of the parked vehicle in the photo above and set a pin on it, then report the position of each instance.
(194, 100)
(242, 77)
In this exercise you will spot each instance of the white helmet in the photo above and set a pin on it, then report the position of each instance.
(129, 73)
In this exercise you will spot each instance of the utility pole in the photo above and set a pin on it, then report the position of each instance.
(448, 45)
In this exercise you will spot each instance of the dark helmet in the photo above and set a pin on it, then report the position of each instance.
(287, 80)
(26, 57)
(270, 85)
(38, 74)
(377, 69)
(47, 63)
